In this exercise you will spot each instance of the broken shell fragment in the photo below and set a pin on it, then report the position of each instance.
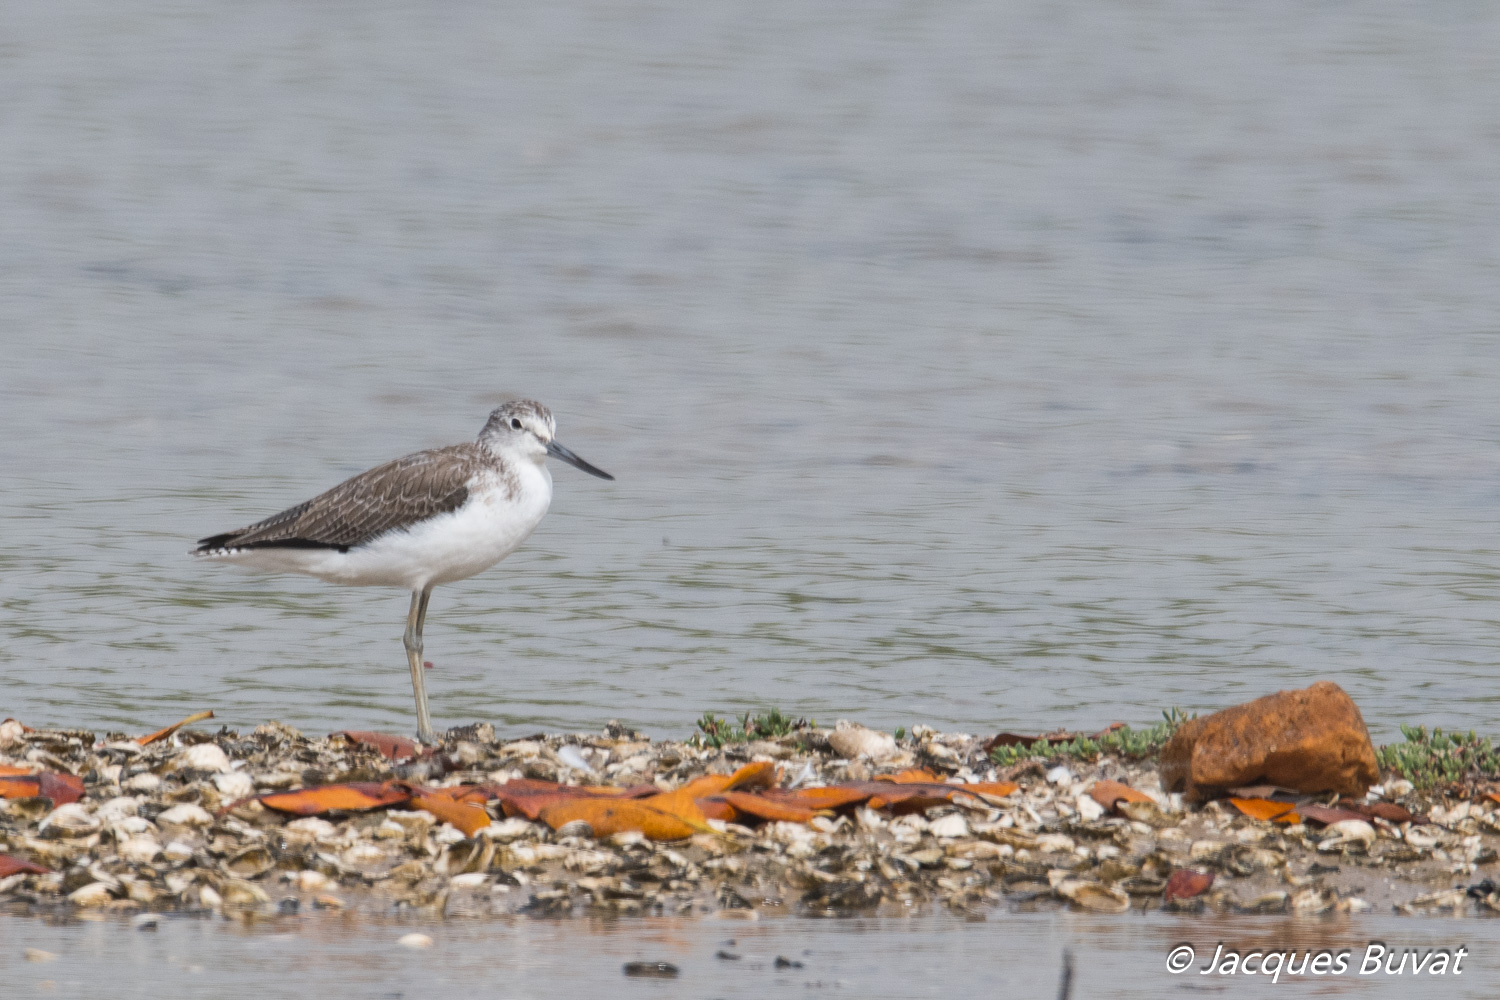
(202, 757)
(238, 892)
(72, 820)
(250, 863)
(139, 850)
(185, 814)
(93, 894)
(234, 785)
(853, 741)
(1094, 896)
(1348, 832)
(951, 826)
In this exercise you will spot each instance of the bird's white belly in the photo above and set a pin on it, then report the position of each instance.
(449, 547)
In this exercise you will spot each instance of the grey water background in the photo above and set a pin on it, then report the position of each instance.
(1011, 955)
(983, 365)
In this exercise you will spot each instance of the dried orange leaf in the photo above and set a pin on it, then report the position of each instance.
(15, 866)
(830, 797)
(998, 789)
(609, 816)
(1325, 814)
(528, 797)
(1185, 883)
(6, 770)
(911, 774)
(1391, 812)
(464, 815)
(717, 807)
(390, 747)
(683, 802)
(60, 788)
(357, 796)
(162, 734)
(761, 774)
(768, 809)
(1267, 809)
(1107, 793)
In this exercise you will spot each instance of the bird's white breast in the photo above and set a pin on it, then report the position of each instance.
(498, 515)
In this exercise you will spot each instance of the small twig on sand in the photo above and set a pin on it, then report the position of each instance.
(1065, 990)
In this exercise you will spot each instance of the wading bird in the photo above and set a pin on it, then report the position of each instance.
(429, 518)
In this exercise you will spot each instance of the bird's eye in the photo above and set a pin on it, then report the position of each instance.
(515, 422)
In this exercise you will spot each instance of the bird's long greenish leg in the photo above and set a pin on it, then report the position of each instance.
(415, 619)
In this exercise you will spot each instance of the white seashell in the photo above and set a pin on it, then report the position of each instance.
(143, 782)
(72, 820)
(625, 838)
(1419, 838)
(471, 880)
(363, 854)
(825, 825)
(789, 833)
(1399, 787)
(574, 758)
(37, 954)
(118, 808)
(1205, 849)
(139, 850)
(951, 826)
(93, 894)
(210, 898)
(1348, 831)
(390, 831)
(852, 741)
(177, 852)
(309, 829)
(1055, 843)
(1060, 775)
(203, 757)
(185, 814)
(311, 881)
(278, 780)
(414, 941)
(238, 892)
(447, 834)
(1088, 809)
(234, 785)
(513, 828)
(1094, 896)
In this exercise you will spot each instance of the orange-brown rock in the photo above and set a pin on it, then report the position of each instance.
(1313, 740)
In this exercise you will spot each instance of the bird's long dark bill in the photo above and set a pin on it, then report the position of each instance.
(558, 451)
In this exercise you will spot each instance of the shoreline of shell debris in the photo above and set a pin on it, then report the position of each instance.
(172, 827)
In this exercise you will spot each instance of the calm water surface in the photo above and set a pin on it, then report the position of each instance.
(985, 365)
(1121, 958)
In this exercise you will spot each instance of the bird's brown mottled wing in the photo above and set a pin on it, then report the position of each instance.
(387, 498)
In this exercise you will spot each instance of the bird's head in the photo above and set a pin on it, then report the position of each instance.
(526, 427)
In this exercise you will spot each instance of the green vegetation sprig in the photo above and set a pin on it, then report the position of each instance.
(768, 725)
(1433, 759)
(1125, 742)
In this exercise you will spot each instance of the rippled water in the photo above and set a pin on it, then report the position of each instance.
(1122, 958)
(985, 365)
